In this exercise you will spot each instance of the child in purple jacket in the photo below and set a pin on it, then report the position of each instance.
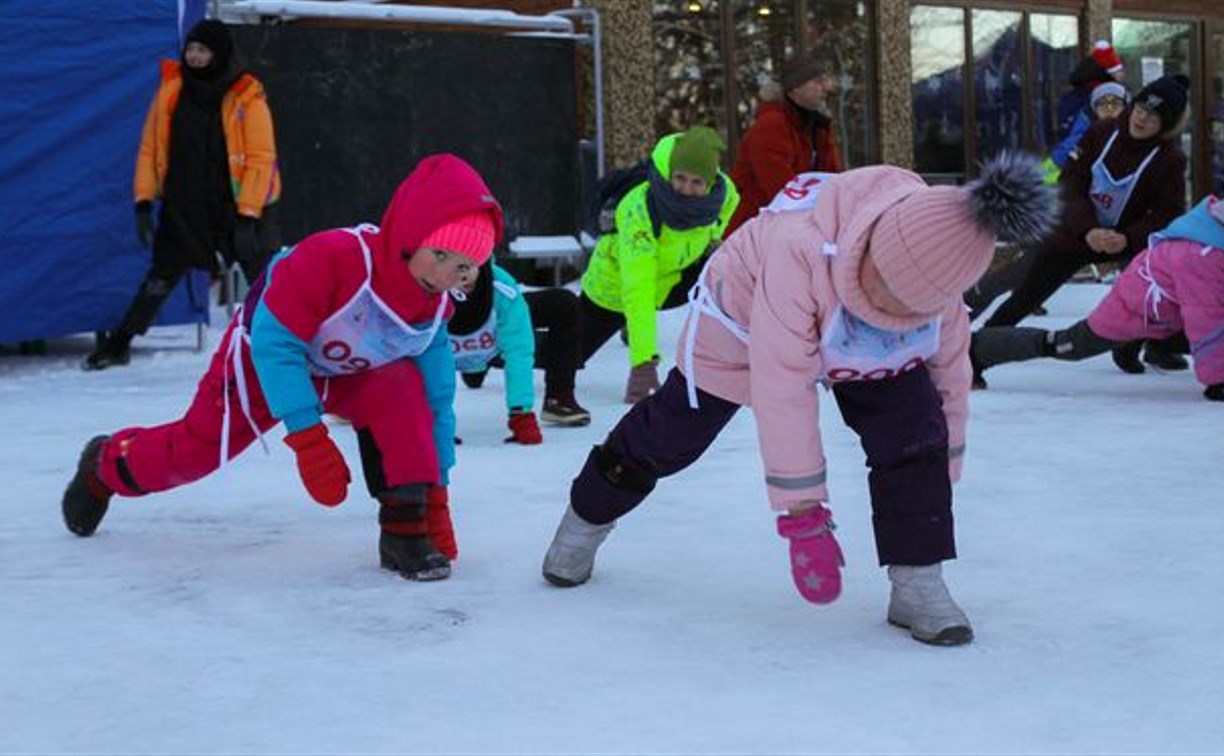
(1176, 284)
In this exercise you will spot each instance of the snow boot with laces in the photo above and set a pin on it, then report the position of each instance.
(561, 408)
(920, 603)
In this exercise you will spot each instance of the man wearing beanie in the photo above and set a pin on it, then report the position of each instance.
(349, 322)
(665, 228)
(791, 133)
(1124, 181)
(858, 289)
(208, 155)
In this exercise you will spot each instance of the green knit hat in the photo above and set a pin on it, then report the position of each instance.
(697, 151)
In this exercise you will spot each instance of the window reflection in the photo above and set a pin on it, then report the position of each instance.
(1215, 115)
(937, 48)
(763, 41)
(1020, 65)
(688, 66)
(997, 82)
(1055, 53)
(839, 32)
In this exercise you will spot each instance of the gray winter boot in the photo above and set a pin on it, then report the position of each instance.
(571, 556)
(921, 604)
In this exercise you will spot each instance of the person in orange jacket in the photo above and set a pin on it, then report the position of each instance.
(208, 153)
(790, 134)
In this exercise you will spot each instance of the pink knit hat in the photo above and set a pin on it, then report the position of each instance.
(470, 235)
(929, 249)
(936, 242)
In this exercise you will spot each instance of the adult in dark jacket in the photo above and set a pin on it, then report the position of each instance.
(208, 153)
(1124, 181)
(790, 134)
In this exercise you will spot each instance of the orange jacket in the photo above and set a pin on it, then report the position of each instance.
(775, 148)
(249, 140)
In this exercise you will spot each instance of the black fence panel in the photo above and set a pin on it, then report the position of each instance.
(356, 109)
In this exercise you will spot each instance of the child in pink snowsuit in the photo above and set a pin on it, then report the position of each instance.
(350, 322)
(1176, 284)
(859, 289)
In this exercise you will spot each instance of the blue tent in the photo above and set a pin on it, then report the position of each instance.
(75, 82)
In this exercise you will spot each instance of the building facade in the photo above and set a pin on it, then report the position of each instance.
(934, 85)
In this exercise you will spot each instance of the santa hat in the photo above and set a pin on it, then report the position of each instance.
(1106, 57)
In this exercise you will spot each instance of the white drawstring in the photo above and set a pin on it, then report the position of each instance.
(234, 354)
(699, 304)
(1155, 294)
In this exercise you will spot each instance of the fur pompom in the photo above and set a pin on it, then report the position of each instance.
(1010, 199)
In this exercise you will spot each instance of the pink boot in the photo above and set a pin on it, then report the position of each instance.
(816, 559)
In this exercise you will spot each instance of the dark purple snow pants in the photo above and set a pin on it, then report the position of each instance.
(900, 423)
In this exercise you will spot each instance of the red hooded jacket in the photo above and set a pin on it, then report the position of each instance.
(774, 148)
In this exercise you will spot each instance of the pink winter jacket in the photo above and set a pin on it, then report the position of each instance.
(1176, 284)
(781, 276)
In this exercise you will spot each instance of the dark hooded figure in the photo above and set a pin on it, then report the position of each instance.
(208, 155)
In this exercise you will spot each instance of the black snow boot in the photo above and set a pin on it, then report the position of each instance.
(114, 349)
(87, 497)
(979, 380)
(1126, 357)
(404, 545)
(412, 556)
(1161, 355)
(474, 380)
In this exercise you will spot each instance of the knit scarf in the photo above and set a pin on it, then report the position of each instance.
(678, 212)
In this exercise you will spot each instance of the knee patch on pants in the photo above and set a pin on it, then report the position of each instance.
(622, 473)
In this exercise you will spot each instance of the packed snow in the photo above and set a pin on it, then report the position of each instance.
(234, 615)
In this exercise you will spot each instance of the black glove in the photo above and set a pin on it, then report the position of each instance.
(246, 241)
(1215, 392)
(144, 223)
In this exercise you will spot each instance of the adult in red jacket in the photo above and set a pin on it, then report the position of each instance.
(790, 134)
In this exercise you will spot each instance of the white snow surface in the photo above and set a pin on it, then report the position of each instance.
(234, 615)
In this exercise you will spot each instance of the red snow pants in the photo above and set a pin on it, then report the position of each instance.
(388, 403)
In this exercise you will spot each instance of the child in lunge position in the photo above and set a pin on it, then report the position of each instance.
(860, 291)
(497, 320)
(326, 329)
(1176, 283)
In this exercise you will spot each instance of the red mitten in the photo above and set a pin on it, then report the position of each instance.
(524, 428)
(438, 520)
(321, 465)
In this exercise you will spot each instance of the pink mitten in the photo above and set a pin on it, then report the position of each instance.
(816, 559)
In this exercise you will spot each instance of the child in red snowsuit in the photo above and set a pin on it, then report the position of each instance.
(349, 322)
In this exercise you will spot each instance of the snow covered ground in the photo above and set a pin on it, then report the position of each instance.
(235, 615)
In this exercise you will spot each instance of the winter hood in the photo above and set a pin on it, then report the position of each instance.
(1198, 225)
(440, 189)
